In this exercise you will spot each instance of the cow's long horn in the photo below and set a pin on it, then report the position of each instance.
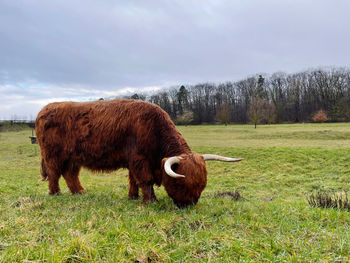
(220, 158)
(169, 163)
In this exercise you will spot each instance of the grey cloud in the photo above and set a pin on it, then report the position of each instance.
(109, 45)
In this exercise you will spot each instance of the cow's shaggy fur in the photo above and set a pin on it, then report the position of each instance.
(107, 135)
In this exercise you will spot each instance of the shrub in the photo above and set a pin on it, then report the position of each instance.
(320, 116)
(185, 119)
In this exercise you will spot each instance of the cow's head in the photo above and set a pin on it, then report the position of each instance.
(185, 176)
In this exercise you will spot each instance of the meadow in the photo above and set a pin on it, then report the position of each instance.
(271, 222)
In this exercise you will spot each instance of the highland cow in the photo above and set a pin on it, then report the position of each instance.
(107, 135)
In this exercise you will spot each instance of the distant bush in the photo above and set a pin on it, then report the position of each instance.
(320, 116)
(185, 119)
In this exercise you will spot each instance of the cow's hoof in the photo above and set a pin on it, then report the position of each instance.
(80, 192)
(152, 200)
(54, 193)
(134, 197)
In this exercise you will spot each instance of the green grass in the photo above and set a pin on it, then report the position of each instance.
(272, 223)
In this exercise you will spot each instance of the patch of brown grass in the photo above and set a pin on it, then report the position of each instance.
(234, 195)
(329, 200)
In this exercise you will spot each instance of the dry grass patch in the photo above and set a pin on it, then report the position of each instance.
(329, 200)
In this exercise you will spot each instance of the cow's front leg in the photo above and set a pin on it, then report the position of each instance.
(142, 174)
(133, 187)
(148, 193)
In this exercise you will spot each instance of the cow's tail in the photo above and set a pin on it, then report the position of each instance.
(43, 171)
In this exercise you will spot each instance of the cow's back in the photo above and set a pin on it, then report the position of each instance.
(101, 135)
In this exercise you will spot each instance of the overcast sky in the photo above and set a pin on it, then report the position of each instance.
(83, 50)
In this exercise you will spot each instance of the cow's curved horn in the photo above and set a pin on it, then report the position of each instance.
(220, 158)
(169, 163)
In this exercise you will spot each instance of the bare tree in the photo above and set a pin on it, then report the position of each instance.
(261, 110)
(268, 112)
(286, 97)
(254, 112)
(223, 114)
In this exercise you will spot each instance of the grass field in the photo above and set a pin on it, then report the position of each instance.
(271, 223)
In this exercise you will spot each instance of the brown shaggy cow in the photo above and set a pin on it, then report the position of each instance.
(107, 135)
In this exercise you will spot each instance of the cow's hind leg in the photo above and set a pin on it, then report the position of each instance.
(133, 187)
(53, 174)
(43, 172)
(71, 176)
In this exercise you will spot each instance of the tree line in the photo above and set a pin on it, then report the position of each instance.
(275, 98)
